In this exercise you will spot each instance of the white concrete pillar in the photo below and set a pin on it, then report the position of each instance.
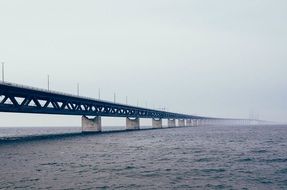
(197, 122)
(188, 123)
(91, 125)
(200, 122)
(181, 122)
(171, 123)
(156, 123)
(132, 123)
(193, 122)
(203, 122)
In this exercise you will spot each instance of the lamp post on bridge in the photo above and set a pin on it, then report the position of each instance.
(78, 89)
(48, 81)
(2, 71)
(114, 97)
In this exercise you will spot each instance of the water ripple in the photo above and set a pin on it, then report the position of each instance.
(184, 158)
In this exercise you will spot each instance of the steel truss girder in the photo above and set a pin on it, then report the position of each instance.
(28, 100)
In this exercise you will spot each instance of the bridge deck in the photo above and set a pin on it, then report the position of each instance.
(23, 99)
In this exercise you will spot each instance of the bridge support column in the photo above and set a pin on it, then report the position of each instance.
(199, 122)
(203, 122)
(156, 123)
(196, 122)
(181, 122)
(171, 123)
(193, 122)
(132, 124)
(188, 123)
(91, 125)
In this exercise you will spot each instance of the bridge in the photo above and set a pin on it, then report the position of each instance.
(24, 99)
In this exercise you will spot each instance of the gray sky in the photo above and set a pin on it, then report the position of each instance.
(222, 58)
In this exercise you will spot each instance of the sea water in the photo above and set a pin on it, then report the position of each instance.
(208, 157)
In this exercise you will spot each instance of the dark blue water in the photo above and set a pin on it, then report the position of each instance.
(184, 158)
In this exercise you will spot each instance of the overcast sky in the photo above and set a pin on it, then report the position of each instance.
(224, 58)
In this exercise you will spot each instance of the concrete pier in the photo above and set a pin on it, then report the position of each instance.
(91, 125)
(181, 122)
(203, 122)
(188, 123)
(196, 122)
(132, 123)
(156, 123)
(171, 122)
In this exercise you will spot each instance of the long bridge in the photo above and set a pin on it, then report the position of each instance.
(24, 99)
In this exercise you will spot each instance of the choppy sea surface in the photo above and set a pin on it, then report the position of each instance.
(221, 157)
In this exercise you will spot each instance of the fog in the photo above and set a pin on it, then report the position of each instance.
(222, 58)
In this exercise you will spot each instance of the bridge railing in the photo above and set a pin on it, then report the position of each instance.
(110, 105)
(71, 95)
